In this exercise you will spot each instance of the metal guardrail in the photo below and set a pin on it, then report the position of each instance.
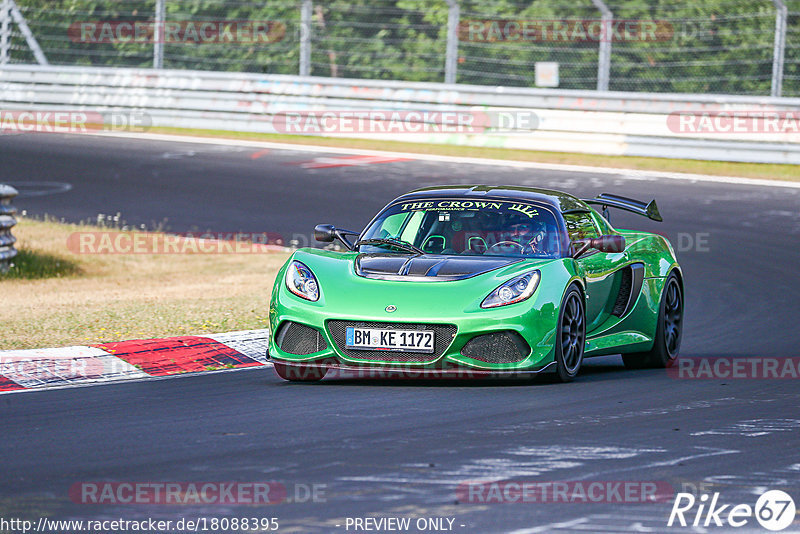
(724, 46)
(7, 221)
(609, 123)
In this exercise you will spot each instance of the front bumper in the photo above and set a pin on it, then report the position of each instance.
(533, 330)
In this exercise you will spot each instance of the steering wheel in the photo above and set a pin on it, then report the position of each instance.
(533, 244)
(512, 243)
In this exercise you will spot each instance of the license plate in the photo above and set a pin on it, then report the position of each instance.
(358, 338)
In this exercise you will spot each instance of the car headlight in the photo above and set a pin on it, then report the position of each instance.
(301, 281)
(513, 291)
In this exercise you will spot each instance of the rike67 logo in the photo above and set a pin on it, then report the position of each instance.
(774, 510)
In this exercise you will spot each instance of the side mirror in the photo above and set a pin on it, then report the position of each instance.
(604, 243)
(325, 233)
(608, 243)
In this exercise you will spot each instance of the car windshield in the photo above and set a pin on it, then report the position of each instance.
(467, 227)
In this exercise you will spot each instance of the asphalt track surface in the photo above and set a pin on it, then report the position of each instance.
(383, 448)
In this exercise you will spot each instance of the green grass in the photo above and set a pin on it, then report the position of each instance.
(766, 171)
(35, 265)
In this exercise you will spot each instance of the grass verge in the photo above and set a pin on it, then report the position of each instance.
(31, 264)
(764, 171)
(54, 297)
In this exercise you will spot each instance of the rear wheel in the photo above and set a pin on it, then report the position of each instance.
(571, 338)
(667, 342)
(300, 373)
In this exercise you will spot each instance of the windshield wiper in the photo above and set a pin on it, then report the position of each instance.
(402, 245)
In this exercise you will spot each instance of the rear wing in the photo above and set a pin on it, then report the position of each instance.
(607, 200)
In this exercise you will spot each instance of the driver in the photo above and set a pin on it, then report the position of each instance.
(529, 234)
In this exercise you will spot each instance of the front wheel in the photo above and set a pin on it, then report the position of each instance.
(300, 373)
(571, 335)
(667, 342)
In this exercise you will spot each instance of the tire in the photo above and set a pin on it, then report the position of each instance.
(667, 342)
(570, 335)
(300, 373)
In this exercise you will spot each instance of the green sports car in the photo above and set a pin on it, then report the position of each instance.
(478, 280)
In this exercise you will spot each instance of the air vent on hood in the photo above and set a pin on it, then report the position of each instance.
(427, 267)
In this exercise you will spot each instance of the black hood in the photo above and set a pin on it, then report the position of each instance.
(430, 267)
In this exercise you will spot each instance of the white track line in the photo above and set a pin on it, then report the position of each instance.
(457, 159)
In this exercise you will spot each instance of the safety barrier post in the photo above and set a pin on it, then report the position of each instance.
(7, 221)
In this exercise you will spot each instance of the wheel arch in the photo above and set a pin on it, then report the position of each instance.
(575, 281)
(679, 275)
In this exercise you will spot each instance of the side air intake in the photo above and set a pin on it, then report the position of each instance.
(299, 339)
(498, 347)
(629, 289)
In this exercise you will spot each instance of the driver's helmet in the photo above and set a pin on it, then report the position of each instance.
(524, 232)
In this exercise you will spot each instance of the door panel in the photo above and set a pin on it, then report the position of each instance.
(601, 270)
(603, 276)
